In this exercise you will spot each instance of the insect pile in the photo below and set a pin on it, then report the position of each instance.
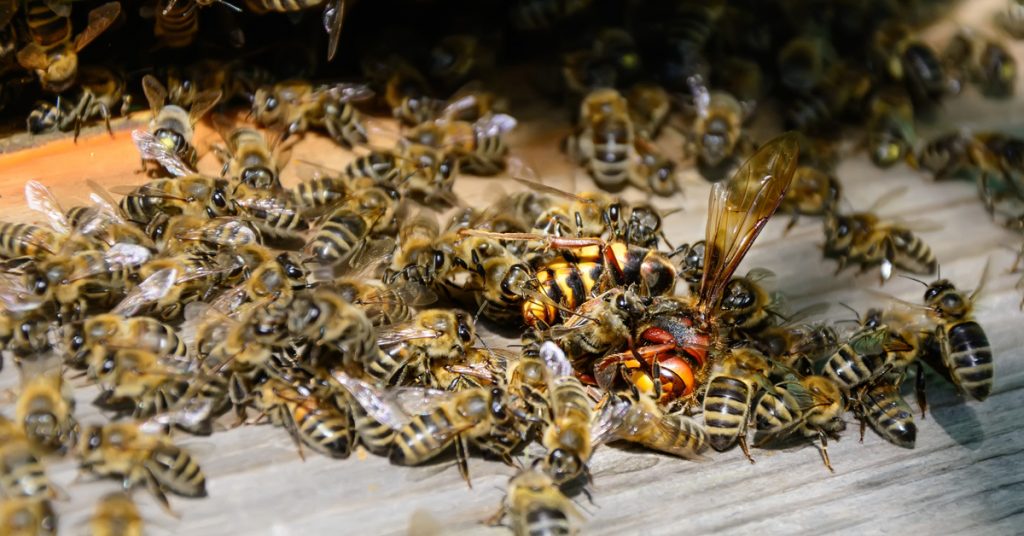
(346, 307)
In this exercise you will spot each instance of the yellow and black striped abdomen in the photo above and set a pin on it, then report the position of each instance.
(375, 436)
(338, 236)
(177, 471)
(22, 474)
(423, 438)
(912, 254)
(726, 409)
(774, 411)
(177, 27)
(326, 429)
(968, 354)
(890, 415)
(48, 29)
(848, 368)
(544, 521)
(24, 240)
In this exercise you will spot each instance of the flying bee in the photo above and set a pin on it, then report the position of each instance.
(880, 404)
(169, 141)
(534, 504)
(729, 396)
(295, 106)
(890, 132)
(193, 195)
(810, 407)
(116, 515)
(812, 193)
(312, 420)
(52, 52)
(333, 17)
(718, 138)
(45, 410)
(251, 159)
(964, 346)
(429, 422)
(27, 516)
(865, 239)
(126, 452)
(21, 472)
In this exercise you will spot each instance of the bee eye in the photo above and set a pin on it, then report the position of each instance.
(438, 260)
(77, 342)
(94, 439)
(40, 285)
(271, 104)
(108, 365)
(219, 200)
(620, 302)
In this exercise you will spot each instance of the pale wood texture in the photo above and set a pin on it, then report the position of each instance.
(965, 476)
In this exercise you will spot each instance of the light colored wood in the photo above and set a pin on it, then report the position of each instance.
(965, 476)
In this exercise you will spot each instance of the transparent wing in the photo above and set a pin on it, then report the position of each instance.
(41, 199)
(375, 402)
(151, 149)
(403, 332)
(190, 413)
(150, 290)
(557, 363)
(495, 125)
(350, 92)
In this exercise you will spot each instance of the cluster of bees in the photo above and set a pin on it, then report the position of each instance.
(344, 308)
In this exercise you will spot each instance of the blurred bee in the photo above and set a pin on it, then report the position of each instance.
(312, 420)
(27, 516)
(965, 349)
(252, 161)
(604, 139)
(902, 57)
(639, 419)
(810, 407)
(45, 411)
(196, 235)
(295, 106)
(457, 58)
(52, 53)
(169, 141)
(127, 452)
(718, 138)
(101, 91)
(543, 14)
(333, 17)
(25, 334)
(413, 259)
(890, 131)
(97, 332)
(326, 320)
(813, 193)
(428, 173)
(804, 61)
(865, 239)
(21, 472)
(26, 240)
(406, 91)
(985, 62)
(194, 195)
(730, 395)
(116, 515)
(534, 504)
(1011, 19)
(880, 404)
(185, 279)
(649, 107)
(480, 145)
(317, 195)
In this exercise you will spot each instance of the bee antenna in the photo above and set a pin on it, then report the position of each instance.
(918, 280)
(852, 310)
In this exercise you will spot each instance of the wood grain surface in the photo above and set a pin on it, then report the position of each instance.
(966, 474)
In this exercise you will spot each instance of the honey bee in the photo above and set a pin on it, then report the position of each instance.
(334, 15)
(543, 14)
(45, 410)
(534, 504)
(428, 422)
(26, 240)
(52, 53)
(116, 515)
(903, 57)
(27, 516)
(126, 452)
(345, 235)
(295, 106)
(274, 214)
(195, 235)
(747, 306)
(890, 132)
(985, 62)
(428, 173)
(406, 92)
(810, 407)
(649, 107)
(325, 319)
(409, 350)
(691, 265)
(729, 396)
(881, 405)
(865, 239)
(312, 420)
(639, 419)
(803, 62)
(873, 350)
(252, 161)
(605, 138)
(92, 335)
(25, 333)
(457, 58)
(798, 346)
(181, 280)
(169, 141)
(480, 145)
(21, 472)
(413, 259)
(965, 349)
(812, 193)
(193, 195)
(101, 91)
(1010, 19)
(718, 137)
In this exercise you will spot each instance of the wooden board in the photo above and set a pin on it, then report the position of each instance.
(965, 476)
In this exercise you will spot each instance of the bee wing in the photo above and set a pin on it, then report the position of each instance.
(495, 125)
(61, 7)
(156, 93)
(41, 199)
(152, 289)
(739, 209)
(100, 19)
(403, 332)
(419, 400)
(334, 16)
(558, 364)
(607, 424)
(414, 294)
(127, 254)
(375, 402)
(189, 413)
(229, 300)
(151, 149)
(350, 92)
(203, 102)
(33, 56)
(238, 230)
(701, 95)
(15, 296)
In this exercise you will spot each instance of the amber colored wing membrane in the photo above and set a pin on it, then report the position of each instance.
(739, 209)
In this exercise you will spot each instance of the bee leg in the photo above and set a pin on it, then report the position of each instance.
(823, 449)
(105, 114)
(919, 388)
(863, 427)
(495, 519)
(745, 447)
(461, 460)
(158, 493)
